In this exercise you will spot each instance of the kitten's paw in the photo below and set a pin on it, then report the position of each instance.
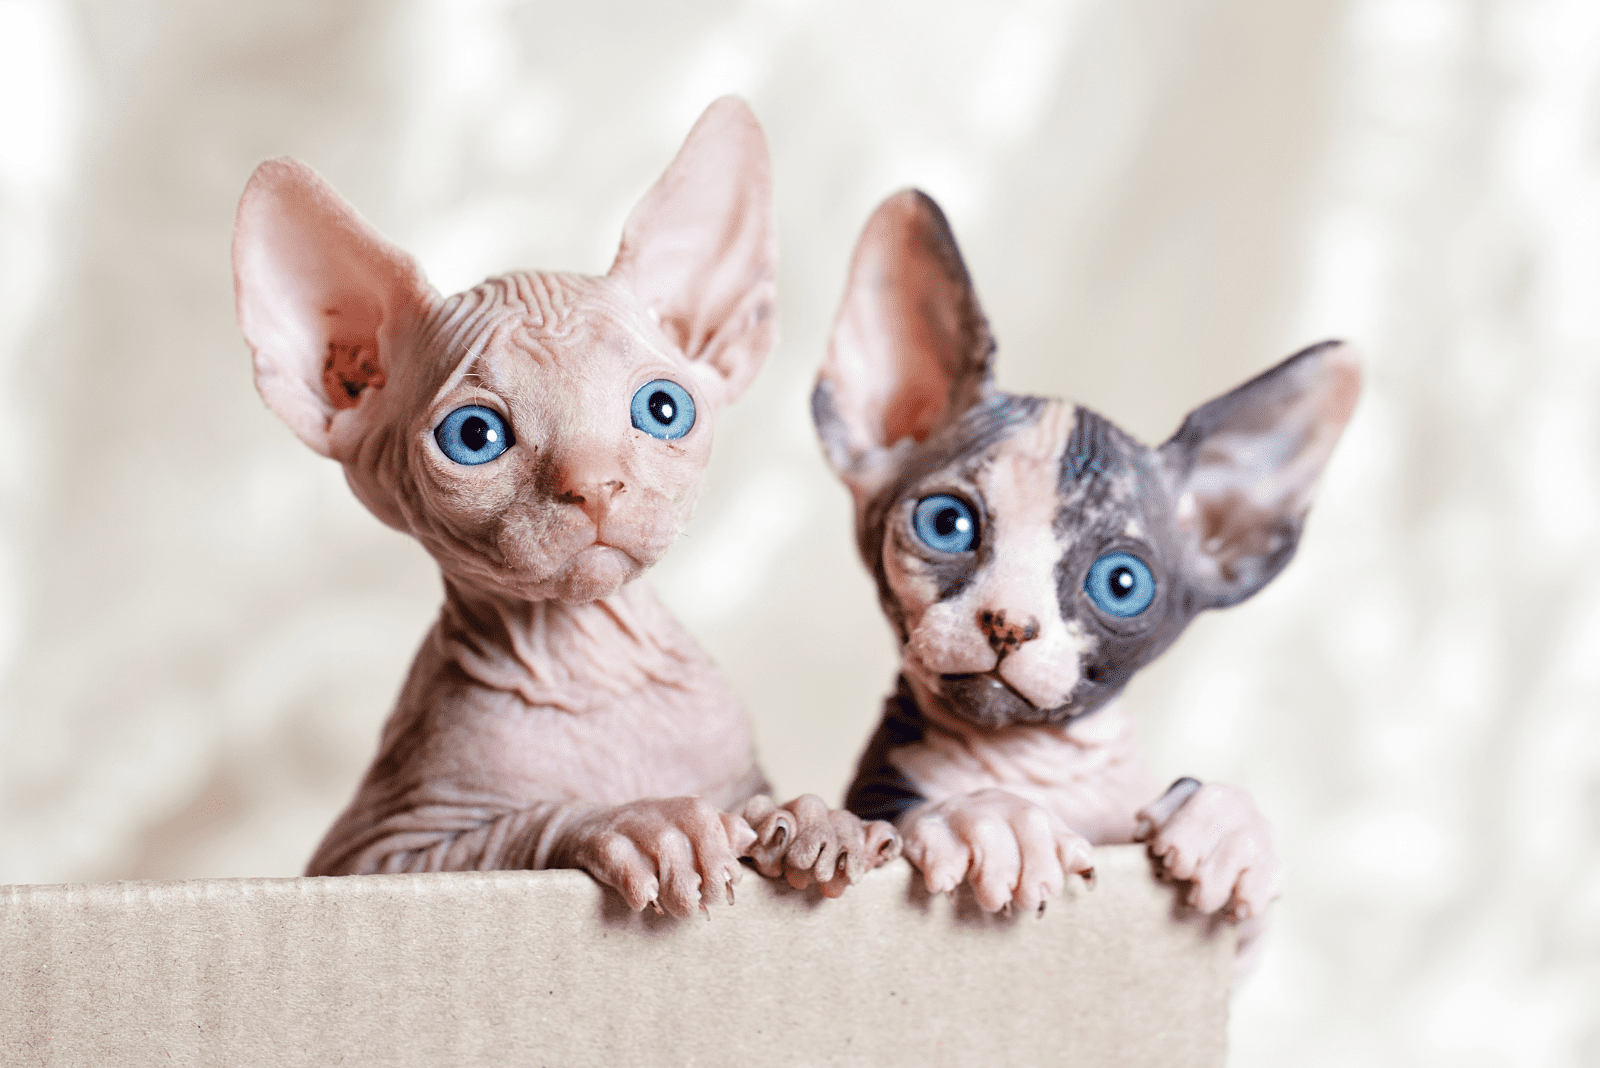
(804, 841)
(677, 854)
(1012, 851)
(1212, 838)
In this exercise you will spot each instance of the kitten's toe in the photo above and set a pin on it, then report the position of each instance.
(996, 863)
(741, 836)
(814, 852)
(1041, 876)
(882, 843)
(617, 862)
(774, 831)
(680, 881)
(935, 850)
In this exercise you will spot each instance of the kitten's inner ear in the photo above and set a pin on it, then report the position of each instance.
(700, 250)
(911, 350)
(1244, 467)
(321, 299)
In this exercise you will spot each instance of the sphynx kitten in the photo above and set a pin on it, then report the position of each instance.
(1031, 557)
(543, 436)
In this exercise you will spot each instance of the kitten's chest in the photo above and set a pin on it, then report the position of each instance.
(1088, 774)
(657, 742)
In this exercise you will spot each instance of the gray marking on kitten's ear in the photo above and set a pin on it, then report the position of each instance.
(830, 426)
(969, 365)
(1244, 466)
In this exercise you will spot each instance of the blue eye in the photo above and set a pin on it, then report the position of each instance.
(663, 410)
(473, 435)
(1120, 584)
(945, 523)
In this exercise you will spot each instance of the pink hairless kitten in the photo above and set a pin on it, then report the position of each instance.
(543, 436)
(1031, 558)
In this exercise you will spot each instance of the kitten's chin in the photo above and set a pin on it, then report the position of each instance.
(986, 700)
(595, 572)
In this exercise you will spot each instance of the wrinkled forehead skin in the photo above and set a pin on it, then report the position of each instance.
(1099, 490)
(552, 344)
(559, 356)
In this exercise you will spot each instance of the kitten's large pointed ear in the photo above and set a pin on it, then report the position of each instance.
(1245, 465)
(321, 299)
(911, 350)
(700, 250)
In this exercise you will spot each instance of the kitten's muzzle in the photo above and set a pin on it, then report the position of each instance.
(988, 700)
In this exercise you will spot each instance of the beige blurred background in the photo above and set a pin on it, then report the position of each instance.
(201, 631)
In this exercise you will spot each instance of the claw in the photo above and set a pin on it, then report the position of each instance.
(778, 832)
(1158, 812)
(1042, 904)
(850, 866)
(1089, 878)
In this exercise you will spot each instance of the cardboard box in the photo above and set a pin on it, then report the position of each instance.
(547, 969)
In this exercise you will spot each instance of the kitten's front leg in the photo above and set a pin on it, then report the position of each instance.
(805, 841)
(1012, 851)
(677, 853)
(1212, 838)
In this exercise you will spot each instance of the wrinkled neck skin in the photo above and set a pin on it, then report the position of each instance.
(578, 658)
(1087, 771)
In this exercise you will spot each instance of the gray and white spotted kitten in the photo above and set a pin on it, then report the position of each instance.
(1031, 558)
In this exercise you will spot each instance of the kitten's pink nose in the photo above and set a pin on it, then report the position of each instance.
(593, 494)
(590, 482)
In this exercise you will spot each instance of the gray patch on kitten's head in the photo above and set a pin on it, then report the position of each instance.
(1112, 499)
(1089, 448)
(964, 443)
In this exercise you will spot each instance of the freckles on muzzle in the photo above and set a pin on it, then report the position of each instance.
(1024, 664)
(1007, 668)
